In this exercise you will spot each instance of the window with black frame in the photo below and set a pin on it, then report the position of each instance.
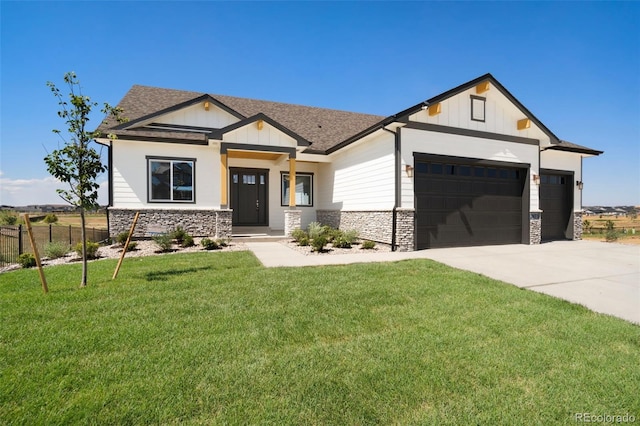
(171, 180)
(304, 189)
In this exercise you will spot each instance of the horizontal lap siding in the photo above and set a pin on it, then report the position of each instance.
(361, 177)
(130, 173)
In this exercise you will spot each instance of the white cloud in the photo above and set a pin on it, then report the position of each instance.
(22, 192)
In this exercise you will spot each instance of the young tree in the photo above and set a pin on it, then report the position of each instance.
(77, 163)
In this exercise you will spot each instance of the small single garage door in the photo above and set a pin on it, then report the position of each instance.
(466, 204)
(555, 203)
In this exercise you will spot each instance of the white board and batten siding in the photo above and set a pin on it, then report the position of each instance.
(501, 115)
(565, 161)
(422, 141)
(360, 176)
(267, 136)
(197, 115)
(130, 180)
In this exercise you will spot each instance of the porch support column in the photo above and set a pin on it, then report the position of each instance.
(223, 180)
(292, 182)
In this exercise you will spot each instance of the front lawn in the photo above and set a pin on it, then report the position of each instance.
(215, 338)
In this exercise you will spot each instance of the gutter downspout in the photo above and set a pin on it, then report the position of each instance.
(396, 204)
(110, 177)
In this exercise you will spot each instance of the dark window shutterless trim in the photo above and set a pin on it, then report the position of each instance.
(284, 202)
(476, 103)
(150, 158)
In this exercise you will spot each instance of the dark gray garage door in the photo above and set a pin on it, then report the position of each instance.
(460, 204)
(555, 203)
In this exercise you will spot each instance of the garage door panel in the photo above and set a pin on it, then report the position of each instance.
(479, 205)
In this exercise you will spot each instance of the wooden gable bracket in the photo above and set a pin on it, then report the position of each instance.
(260, 124)
(435, 109)
(483, 87)
(206, 106)
(523, 124)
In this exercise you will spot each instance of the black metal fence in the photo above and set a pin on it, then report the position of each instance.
(14, 240)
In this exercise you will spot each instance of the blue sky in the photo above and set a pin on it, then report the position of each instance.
(575, 65)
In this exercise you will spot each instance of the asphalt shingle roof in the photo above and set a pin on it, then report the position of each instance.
(324, 128)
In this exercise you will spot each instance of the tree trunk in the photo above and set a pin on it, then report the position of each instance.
(83, 235)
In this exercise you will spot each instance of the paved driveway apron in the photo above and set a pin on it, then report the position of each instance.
(604, 277)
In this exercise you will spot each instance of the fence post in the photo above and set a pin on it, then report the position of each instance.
(69, 235)
(50, 233)
(20, 245)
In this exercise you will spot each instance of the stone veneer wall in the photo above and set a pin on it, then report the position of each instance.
(374, 225)
(577, 225)
(292, 220)
(198, 223)
(405, 229)
(535, 228)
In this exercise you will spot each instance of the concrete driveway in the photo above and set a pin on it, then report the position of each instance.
(604, 277)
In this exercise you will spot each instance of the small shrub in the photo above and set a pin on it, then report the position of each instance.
(50, 218)
(299, 234)
(610, 225)
(131, 246)
(163, 241)
(178, 234)
(56, 249)
(8, 218)
(27, 260)
(92, 249)
(209, 244)
(344, 239)
(587, 226)
(304, 241)
(611, 235)
(316, 229)
(187, 241)
(222, 242)
(368, 244)
(318, 243)
(121, 238)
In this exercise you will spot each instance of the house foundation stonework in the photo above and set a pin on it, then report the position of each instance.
(577, 225)
(292, 221)
(198, 223)
(535, 228)
(374, 225)
(405, 225)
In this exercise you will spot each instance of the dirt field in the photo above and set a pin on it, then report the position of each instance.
(599, 226)
(93, 220)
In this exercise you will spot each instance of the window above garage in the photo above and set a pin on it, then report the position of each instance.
(478, 105)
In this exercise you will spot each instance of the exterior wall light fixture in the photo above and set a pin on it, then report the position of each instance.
(409, 169)
(580, 185)
(536, 179)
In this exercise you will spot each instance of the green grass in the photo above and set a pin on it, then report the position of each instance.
(214, 338)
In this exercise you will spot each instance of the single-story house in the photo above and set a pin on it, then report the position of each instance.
(471, 166)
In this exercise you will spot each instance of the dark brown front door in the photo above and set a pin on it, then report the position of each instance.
(249, 189)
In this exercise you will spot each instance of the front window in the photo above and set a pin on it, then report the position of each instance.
(171, 180)
(304, 189)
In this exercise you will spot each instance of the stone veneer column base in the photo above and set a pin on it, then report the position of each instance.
(198, 223)
(292, 220)
(405, 227)
(577, 225)
(535, 228)
(374, 225)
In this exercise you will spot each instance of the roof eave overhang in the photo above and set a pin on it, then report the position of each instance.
(466, 86)
(176, 107)
(577, 150)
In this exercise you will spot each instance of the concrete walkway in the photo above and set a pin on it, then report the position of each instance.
(604, 277)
